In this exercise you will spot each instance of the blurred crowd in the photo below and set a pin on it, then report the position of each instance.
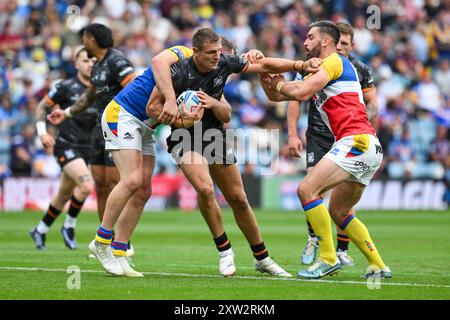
(408, 51)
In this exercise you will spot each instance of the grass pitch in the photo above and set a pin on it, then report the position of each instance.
(175, 251)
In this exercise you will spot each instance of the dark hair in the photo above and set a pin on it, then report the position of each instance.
(327, 27)
(345, 28)
(228, 44)
(79, 51)
(101, 33)
(204, 35)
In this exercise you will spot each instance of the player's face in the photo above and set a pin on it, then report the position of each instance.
(88, 43)
(84, 64)
(344, 45)
(209, 56)
(313, 43)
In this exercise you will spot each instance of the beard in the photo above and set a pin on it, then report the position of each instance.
(313, 53)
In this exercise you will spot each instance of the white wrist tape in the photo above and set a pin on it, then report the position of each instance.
(68, 113)
(41, 128)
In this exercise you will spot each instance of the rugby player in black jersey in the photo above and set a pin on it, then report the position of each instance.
(71, 149)
(207, 72)
(319, 138)
(111, 72)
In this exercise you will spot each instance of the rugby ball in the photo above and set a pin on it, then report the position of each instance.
(190, 100)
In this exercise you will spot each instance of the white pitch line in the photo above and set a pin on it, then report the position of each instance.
(383, 283)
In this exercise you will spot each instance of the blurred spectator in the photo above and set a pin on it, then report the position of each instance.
(22, 151)
(429, 97)
(442, 77)
(409, 56)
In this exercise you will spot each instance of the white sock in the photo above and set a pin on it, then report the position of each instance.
(70, 222)
(42, 227)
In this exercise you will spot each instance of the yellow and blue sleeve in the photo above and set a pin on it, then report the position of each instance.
(180, 52)
(333, 66)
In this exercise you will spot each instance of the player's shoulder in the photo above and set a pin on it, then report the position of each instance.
(180, 52)
(116, 56)
(358, 64)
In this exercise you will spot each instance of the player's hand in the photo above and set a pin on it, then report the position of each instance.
(169, 113)
(312, 65)
(47, 141)
(206, 100)
(295, 146)
(189, 118)
(253, 55)
(275, 79)
(57, 116)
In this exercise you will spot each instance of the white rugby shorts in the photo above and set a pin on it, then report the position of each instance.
(123, 131)
(360, 155)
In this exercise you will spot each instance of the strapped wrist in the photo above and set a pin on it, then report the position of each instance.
(41, 128)
(280, 85)
(68, 113)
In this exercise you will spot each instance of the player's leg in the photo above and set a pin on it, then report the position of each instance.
(318, 144)
(312, 243)
(38, 234)
(342, 246)
(195, 168)
(324, 176)
(229, 181)
(130, 216)
(79, 172)
(343, 199)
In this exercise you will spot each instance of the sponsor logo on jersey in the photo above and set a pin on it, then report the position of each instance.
(218, 81)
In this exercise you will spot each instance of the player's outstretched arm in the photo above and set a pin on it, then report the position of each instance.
(278, 65)
(86, 99)
(161, 70)
(41, 128)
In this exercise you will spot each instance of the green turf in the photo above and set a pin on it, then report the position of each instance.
(175, 251)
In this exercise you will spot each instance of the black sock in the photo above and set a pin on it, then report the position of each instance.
(51, 215)
(310, 230)
(75, 207)
(259, 251)
(342, 242)
(222, 242)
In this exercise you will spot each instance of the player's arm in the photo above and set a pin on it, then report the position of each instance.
(221, 109)
(86, 99)
(41, 128)
(278, 90)
(371, 101)
(278, 65)
(294, 142)
(161, 64)
(369, 94)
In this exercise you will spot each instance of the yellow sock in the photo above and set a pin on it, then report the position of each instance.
(358, 233)
(319, 218)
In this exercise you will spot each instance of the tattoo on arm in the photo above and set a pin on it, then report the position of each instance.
(41, 110)
(371, 110)
(86, 99)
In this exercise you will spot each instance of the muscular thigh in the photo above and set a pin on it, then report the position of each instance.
(228, 179)
(196, 170)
